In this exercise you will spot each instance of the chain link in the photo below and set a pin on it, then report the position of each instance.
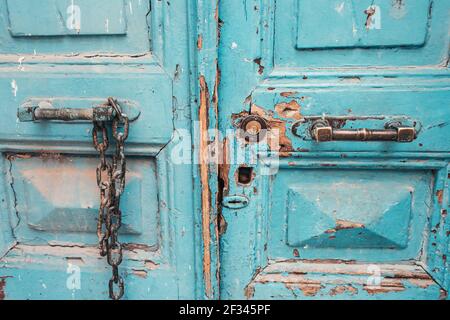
(111, 183)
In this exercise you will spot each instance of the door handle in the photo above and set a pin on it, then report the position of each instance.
(36, 110)
(322, 131)
(100, 113)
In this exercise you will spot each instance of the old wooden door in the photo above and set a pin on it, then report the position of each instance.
(323, 214)
(76, 54)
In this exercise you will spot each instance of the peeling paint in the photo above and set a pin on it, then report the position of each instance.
(249, 291)
(421, 283)
(287, 93)
(224, 168)
(2, 288)
(204, 180)
(309, 288)
(373, 290)
(289, 110)
(277, 136)
(369, 12)
(200, 42)
(343, 225)
(150, 265)
(258, 61)
(140, 273)
(440, 195)
(137, 246)
(343, 290)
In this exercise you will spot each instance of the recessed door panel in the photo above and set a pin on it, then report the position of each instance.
(362, 24)
(341, 33)
(59, 18)
(369, 215)
(108, 27)
(57, 200)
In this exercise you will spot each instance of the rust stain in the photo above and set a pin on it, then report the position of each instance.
(288, 94)
(440, 195)
(137, 246)
(372, 290)
(12, 157)
(260, 66)
(215, 97)
(390, 285)
(324, 261)
(343, 225)
(309, 288)
(343, 289)
(2, 288)
(249, 291)
(140, 273)
(204, 180)
(223, 187)
(421, 283)
(236, 117)
(45, 156)
(224, 167)
(296, 253)
(199, 42)
(52, 156)
(75, 260)
(150, 265)
(369, 12)
(219, 23)
(220, 224)
(289, 110)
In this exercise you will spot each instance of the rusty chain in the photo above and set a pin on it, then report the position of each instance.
(111, 182)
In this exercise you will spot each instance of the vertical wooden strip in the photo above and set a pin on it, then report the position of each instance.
(208, 137)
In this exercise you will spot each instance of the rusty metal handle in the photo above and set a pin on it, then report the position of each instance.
(35, 110)
(322, 132)
(67, 114)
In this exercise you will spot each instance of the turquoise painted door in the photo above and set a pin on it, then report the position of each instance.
(348, 195)
(75, 54)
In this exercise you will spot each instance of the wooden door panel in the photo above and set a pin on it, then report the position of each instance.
(49, 193)
(322, 218)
